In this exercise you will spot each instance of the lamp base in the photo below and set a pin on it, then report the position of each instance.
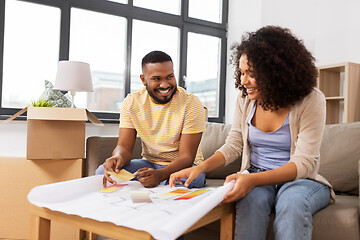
(72, 93)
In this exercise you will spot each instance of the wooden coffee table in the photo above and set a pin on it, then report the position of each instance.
(41, 220)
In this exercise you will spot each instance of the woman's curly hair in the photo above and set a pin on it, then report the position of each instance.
(283, 68)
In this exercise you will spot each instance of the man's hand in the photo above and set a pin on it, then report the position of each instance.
(113, 164)
(149, 177)
(121, 154)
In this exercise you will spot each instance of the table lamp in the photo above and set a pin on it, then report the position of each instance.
(74, 77)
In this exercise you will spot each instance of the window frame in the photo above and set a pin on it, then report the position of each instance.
(131, 12)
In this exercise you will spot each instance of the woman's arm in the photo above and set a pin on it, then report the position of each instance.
(244, 183)
(303, 162)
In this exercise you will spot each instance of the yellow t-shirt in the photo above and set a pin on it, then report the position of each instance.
(161, 125)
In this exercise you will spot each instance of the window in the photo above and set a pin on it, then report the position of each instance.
(112, 36)
(202, 79)
(31, 51)
(152, 36)
(211, 13)
(99, 39)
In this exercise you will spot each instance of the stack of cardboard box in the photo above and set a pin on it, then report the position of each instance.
(55, 152)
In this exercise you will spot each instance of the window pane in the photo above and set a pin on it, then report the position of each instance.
(148, 37)
(167, 6)
(99, 39)
(212, 11)
(31, 51)
(203, 70)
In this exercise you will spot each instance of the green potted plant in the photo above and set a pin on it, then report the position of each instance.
(42, 103)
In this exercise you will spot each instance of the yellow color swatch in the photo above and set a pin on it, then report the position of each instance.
(112, 188)
(122, 176)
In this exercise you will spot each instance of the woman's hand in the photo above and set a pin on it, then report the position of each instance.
(190, 173)
(244, 183)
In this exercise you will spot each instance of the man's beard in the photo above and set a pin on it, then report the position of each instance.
(161, 101)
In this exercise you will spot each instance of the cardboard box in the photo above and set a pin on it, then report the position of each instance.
(17, 177)
(56, 133)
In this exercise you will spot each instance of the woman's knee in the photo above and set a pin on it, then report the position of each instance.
(302, 195)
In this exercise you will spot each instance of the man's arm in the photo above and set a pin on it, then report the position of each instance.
(188, 146)
(121, 154)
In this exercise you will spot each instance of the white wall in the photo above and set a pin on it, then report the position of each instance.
(13, 139)
(244, 16)
(330, 29)
(13, 136)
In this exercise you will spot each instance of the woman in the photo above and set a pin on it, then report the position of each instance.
(278, 127)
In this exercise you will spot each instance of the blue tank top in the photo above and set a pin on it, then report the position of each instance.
(269, 150)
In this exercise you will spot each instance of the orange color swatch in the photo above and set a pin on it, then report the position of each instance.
(192, 194)
(178, 191)
(172, 193)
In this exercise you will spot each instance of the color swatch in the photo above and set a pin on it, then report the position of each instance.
(122, 176)
(112, 188)
(140, 196)
(172, 194)
(192, 194)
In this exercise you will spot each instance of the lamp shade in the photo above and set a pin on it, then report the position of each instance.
(73, 76)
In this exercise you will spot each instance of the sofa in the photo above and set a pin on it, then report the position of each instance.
(340, 155)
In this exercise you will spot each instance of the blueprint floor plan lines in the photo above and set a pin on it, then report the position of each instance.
(163, 218)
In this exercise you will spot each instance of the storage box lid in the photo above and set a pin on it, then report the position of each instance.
(69, 114)
(50, 113)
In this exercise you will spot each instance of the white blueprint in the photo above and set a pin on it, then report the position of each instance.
(164, 219)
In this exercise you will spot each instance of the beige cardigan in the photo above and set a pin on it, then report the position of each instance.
(306, 121)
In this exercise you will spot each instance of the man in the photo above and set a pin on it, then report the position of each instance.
(169, 121)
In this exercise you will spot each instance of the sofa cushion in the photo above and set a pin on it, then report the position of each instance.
(338, 221)
(213, 138)
(213, 182)
(340, 153)
(98, 149)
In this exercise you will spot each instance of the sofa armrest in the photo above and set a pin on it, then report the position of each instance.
(98, 149)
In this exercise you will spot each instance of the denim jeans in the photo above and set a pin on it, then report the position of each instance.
(294, 204)
(136, 164)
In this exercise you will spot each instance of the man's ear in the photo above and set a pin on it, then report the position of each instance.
(142, 79)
